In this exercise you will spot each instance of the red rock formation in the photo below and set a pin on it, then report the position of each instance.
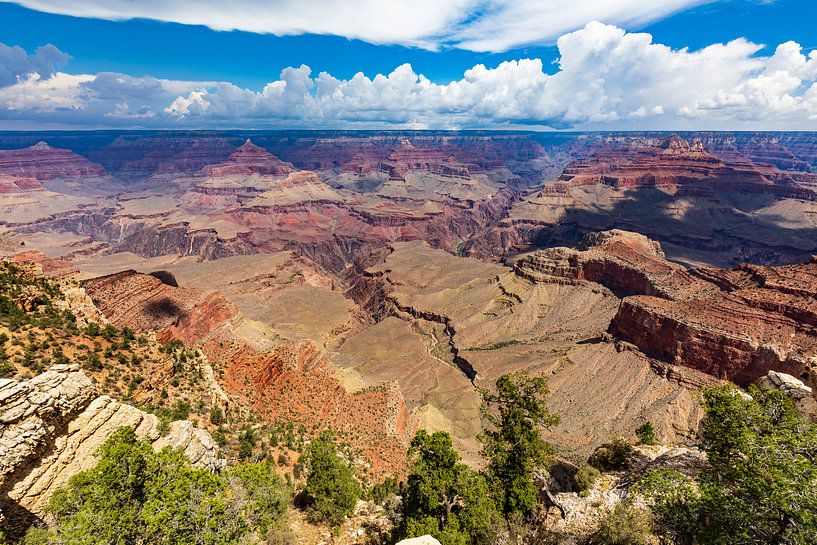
(407, 157)
(294, 382)
(626, 263)
(734, 324)
(43, 162)
(146, 302)
(637, 163)
(52, 267)
(247, 160)
(291, 381)
(13, 184)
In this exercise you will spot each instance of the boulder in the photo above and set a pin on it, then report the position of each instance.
(422, 540)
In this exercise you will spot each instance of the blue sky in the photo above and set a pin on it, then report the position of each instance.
(220, 75)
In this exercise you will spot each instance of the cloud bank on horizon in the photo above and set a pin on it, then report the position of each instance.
(605, 78)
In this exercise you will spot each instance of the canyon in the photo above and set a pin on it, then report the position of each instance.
(374, 282)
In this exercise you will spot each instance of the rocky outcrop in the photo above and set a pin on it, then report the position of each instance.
(154, 302)
(33, 411)
(801, 395)
(422, 540)
(76, 301)
(626, 263)
(42, 162)
(52, 267)
(580, 515)
(52, 426)
(736, 324)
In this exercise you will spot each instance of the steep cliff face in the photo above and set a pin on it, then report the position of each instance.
(624, 262)
(734, 324)
(52, 426)
(719, 337)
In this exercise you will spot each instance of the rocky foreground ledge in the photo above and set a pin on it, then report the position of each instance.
(51, 427)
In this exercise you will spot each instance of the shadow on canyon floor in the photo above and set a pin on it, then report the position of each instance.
(720, 231)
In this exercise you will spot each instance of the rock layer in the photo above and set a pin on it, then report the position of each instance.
(42, 162)
(249, 159)
(52, 426)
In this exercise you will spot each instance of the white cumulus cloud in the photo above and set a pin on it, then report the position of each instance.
(605, 78)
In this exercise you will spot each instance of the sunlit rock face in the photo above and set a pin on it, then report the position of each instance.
(54, 423)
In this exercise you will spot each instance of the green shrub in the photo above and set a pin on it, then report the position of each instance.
(382, 490)
(7, 370)
(613, 456)
(219, 437)
(246, 444)
(216, 416)
(646, 434)
(138, 495)
(586, 477)
(625, 525)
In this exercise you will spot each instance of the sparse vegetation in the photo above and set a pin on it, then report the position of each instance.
(613, 456)
(625, 525)
(498, 345)
(646, 434)
(585, 478)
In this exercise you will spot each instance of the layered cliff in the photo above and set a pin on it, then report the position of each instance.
(703, 208)
(52, 426)
(759, 319)
(42, 162)
(249, 159)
